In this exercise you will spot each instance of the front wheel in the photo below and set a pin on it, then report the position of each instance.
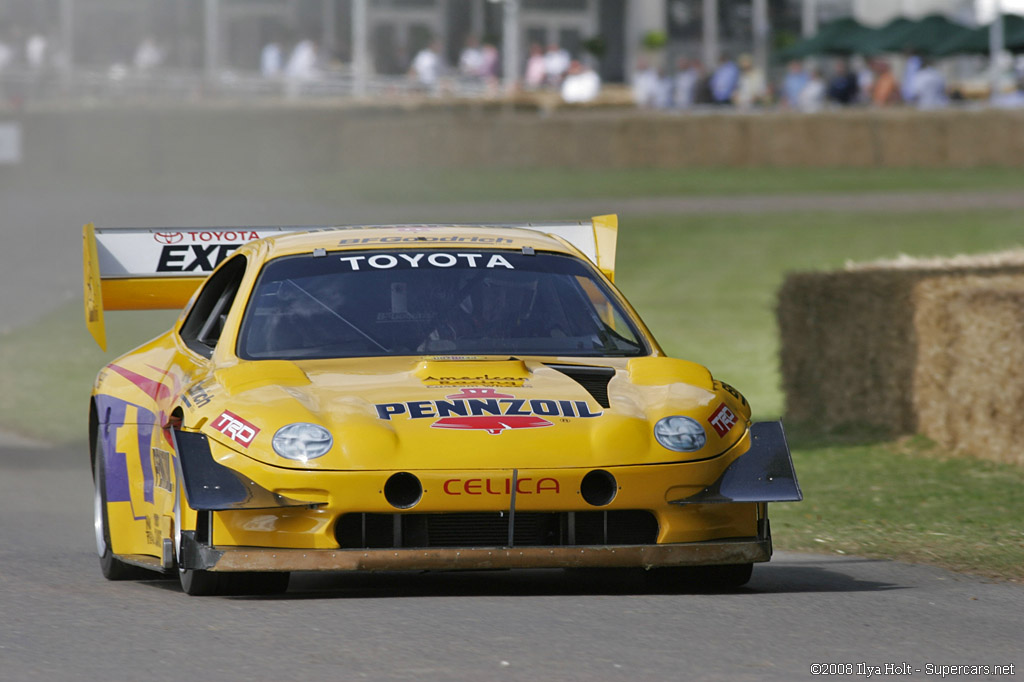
(700, 578)
(111, 567)
(209, 584)
(200, 583)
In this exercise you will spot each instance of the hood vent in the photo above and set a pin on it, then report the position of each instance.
(594, 379)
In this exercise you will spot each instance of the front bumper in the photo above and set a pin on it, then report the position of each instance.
(242, 525)
(739, 551)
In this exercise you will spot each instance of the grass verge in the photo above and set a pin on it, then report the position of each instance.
(909, 500)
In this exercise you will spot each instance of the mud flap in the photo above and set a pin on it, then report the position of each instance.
(763, 474)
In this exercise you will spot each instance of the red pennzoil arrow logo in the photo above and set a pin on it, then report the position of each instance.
(491, 424)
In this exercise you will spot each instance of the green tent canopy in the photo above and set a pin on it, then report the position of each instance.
(835, 37)
(976, 41)
(922, 36)
(846, 36)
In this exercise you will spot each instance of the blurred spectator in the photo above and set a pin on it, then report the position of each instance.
(302, 66)
(751, 87)
(489, 67)
(471, 60)
(148, 55)
(684, 83)
(426, 66)
(1009, 98)
(645, 84)
(793, 84)
(928, 90)
(663, 90)
(812, 97)
(556, 64)
(865, 79)
(534, 76)
(724, 81)
(843, 86)
(910, 70)
(885, 91)
(36, 51)
(581, 84)
(272, 59)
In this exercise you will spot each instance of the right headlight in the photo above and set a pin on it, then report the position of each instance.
(680, 434)
(302, 441)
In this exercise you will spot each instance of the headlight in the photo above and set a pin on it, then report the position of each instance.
(681, 434)
(302, 442)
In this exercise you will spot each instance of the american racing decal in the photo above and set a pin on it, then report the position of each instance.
(484, 409)
(499, 486)
(387, 261)
(722, 419)
(236, 428)
(484, 380)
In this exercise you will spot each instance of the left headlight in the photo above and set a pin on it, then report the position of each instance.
(302, 441)
(680, 434)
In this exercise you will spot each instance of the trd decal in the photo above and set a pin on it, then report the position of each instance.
(236, 428)
(722, 419)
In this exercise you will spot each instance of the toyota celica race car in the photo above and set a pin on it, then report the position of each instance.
(409, 397)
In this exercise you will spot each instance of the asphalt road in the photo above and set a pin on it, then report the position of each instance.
(62, 621)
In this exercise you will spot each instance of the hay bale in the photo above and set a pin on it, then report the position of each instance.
(969, 381)
(847, 349)
(905, 346)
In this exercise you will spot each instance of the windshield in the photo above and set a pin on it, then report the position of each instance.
(432, 301)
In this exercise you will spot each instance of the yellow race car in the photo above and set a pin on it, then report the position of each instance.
(409, 397)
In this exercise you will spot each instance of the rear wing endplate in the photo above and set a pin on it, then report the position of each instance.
(144, 268)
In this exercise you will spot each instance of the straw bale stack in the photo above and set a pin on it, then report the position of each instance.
(969, 380)
(931, 346)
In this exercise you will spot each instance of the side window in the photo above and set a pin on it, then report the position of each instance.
(205, 322)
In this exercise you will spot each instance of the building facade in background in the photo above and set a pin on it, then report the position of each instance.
(230, 34)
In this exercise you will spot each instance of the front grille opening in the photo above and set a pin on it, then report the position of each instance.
(491, 529)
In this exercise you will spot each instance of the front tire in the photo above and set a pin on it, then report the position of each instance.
(111, 567)
(200, 583)
(700, 578)
(210, 584)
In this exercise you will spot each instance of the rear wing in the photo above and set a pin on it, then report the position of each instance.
(143, 268)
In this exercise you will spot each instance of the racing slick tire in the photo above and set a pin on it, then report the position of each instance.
(198, 583)
(112, 567)
(728, 576)
(698, 578)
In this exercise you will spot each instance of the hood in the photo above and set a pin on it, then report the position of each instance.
(465, 413)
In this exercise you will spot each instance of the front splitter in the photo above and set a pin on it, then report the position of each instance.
(242, 559)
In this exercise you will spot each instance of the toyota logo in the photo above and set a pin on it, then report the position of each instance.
(168, 237)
